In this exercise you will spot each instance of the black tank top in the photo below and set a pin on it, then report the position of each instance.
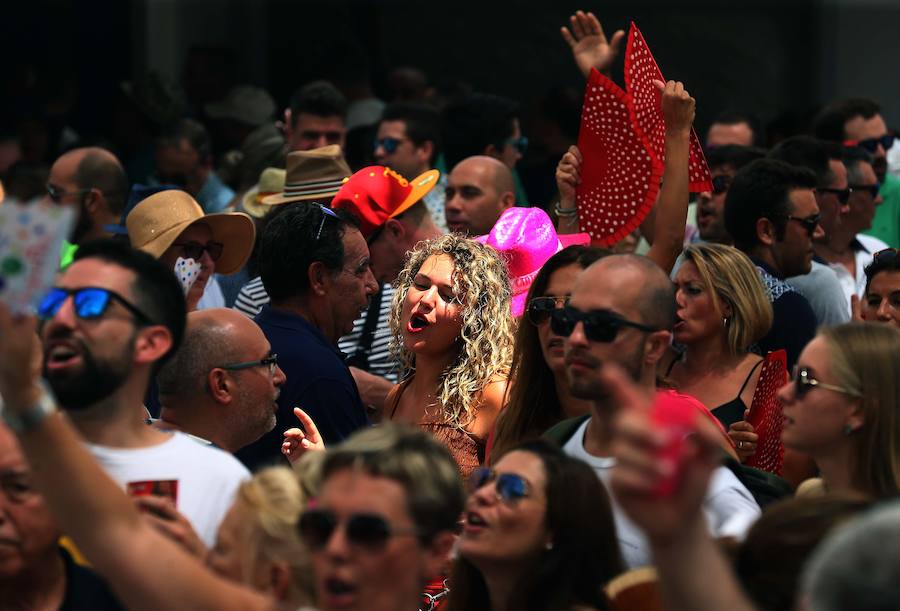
(732, 411)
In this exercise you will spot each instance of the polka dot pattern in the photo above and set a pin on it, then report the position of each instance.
(646, 114)
(766, 416)
(619, 177)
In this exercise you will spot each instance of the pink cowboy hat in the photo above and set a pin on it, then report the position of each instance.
(526, 238)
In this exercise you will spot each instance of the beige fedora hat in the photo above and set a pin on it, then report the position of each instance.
(156, 222)
(314, 174)
(271, 182)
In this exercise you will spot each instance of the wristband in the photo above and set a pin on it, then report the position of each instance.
(564, 212)
(22, 422)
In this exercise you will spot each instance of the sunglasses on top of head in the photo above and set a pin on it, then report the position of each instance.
(509, 487)
(599, 325)
(368, 531)
(90, 303)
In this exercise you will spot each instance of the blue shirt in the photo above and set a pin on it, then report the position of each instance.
(794, 323)
(318, 381)
(214, 195)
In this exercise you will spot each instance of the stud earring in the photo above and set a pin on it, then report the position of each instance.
(848, 430)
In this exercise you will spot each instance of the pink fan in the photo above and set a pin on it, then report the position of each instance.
(646, 115)
(619, 178)
(765, 414)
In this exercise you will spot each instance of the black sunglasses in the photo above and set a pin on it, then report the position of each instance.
(721, 183)
(194, 250)
(872, 190)
(540, 308)
(842, 195)
(871, 144)
(365, 530)
(90, 303)
(809, 222)
(270, 361)
(599, 325)
(509, 487)
(804, 382)
(887, 255)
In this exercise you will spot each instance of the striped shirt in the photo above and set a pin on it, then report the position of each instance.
(253, 297)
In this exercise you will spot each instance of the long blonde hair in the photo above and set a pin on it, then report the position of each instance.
(481, 283)
(865, 358)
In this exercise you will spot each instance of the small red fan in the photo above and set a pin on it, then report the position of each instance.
(765, 414)
(619, 178)
(646, 115)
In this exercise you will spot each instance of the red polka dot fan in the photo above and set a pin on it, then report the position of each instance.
(765, 414)
(619, 177)
(646, 115)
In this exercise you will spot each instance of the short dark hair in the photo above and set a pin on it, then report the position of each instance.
(474, 123)
(319, 98)
(762, 190)
(291, 242)
(810, 153)
(190, 130)
(852, 156)
(881, 264)
(734, 116)
(829, 123)
(733, 155)
(157, 292)
(105, 173)
(423, 122)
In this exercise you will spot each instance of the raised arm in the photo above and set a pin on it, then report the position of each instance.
(664, 228)
(693, 573)
(590, 49)
(145, 569)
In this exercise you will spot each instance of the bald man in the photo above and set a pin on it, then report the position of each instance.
(479, 189)
(222, 383)
(94, 180)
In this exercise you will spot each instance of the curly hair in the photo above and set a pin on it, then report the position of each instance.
(481, 283)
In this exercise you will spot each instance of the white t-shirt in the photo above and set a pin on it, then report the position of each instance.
(207, 477)
(729, 507)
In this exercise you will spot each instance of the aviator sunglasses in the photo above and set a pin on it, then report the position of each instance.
(509, 487)
(365, 530)
(90, 303)
(599, 325)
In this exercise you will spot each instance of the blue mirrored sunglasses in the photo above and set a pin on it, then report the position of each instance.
(508, 486)
(90, 303)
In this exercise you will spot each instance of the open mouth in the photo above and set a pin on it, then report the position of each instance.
(417, 322)
(473, 519)
(61, 355)
(340, 592)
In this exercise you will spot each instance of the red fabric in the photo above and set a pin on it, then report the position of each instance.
(619, 178)
(766, 416)
(646, 114)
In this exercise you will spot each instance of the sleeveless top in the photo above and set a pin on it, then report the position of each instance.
(467, 451)
(731, 411)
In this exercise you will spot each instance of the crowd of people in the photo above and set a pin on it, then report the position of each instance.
(337, 368)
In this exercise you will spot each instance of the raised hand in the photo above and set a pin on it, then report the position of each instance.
(678, 107)
(744, 438)
(639, 469)
(568, 176)
(160, 512)
(589, 45)
(297, 443)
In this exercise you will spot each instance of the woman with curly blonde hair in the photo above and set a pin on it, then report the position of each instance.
(452, 331)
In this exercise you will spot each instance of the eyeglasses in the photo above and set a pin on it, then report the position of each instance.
(56, 194)
(871, 144)
(194, 250)
(540, 308)
(842, 195)
(599, 325)
(804, 382)
(520, 144)
(509, 487)
(887, 255)
(369, 531)
(90, 303)
(326, 212)
(270, 361)
(388, 144)
(721, 183)
(872, 190)
(809, 222)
